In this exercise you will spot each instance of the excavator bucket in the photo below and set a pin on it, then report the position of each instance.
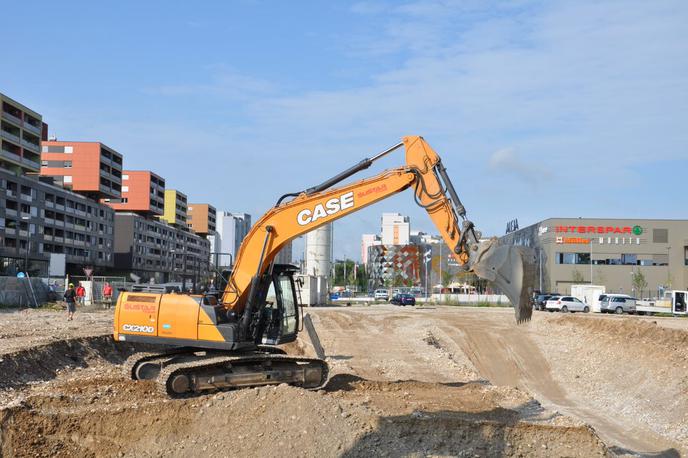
(511, 269)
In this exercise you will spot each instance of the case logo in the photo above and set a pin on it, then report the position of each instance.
(331, 207)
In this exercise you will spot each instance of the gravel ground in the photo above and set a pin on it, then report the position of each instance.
(426, 381)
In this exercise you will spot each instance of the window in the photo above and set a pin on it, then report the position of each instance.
(125, 177)
(68, 179)
(125, 188)
(44, 163)
(69, 149)
(68, 164)
(660, 235)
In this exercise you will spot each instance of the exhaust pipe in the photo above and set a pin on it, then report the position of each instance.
(511, 269)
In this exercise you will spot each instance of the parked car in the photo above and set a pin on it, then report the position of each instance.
(566, 304)
(540, 299)
(381, 294)
(617, 303)
(403, 299)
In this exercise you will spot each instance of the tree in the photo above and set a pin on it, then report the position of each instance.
(577, 277)
(447, 278)
(639, 283)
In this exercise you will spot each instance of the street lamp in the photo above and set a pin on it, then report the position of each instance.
(174, 250)
(28, 243)
(427, 257)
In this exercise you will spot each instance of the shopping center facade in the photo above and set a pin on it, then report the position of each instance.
(619, 250)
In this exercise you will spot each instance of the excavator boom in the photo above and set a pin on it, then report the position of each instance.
(423, 171)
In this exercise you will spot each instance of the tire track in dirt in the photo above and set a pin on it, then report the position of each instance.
(506, 355)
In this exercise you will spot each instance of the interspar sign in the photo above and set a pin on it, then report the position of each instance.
(637, 230)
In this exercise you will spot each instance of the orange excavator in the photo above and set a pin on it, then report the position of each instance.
(210, 343)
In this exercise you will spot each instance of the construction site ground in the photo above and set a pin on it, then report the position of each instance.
(404, 381)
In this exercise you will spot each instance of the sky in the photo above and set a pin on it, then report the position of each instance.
(538, 108)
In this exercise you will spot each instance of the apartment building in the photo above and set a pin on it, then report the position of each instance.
(21, 132)
(38, 219)
(143, 192)
(89, 168)
(175, 208)
(202, 218)
(155, 250)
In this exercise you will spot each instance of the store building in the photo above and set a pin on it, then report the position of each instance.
(609, 252)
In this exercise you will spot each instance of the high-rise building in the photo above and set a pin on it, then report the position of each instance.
(284, 256)
(21, 132)
(175, 211)
(395, 229)
(368, 240)
(231, 230)
(143, 192)
(202, 218)
(88, 168)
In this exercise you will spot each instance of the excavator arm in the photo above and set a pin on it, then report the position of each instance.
(507, 267)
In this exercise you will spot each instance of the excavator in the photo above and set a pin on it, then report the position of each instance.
(207, 343)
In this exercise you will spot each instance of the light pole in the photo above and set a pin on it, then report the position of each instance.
(28, 243)
(427, 257)
(591, 261)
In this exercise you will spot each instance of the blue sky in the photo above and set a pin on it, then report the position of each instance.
(538, 109)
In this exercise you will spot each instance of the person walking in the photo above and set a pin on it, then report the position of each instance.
(107, 294)
(70, 298)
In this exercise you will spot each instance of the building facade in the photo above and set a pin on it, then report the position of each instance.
(232, 228)
(609, 252)
(38, 219)
(202, 218)
(394, 265)
(175, 211)
(155, 250)
(396, 229)
(21, 132)
(89, 168)
(368, 240)
(142, 192)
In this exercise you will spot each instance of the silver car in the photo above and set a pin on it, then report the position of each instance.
(617, 303)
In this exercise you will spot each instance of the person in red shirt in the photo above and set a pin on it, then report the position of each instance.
(107, 294)
(80, 294)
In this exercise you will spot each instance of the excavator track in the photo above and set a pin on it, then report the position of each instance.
(217, 371)
(130, 365)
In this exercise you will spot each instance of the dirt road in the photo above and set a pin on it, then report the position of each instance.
(442, 381)
(625, 377)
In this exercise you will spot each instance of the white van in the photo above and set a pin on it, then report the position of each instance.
(617, 303)
(381, 294)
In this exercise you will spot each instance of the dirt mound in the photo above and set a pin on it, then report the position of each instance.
(632, 330)
(45, 362)
(110, 416)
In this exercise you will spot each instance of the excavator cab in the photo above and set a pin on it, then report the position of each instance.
(279, 317)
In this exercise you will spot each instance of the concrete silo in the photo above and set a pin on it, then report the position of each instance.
(318, 249)
(318, 265)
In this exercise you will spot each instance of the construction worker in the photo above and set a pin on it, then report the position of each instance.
(107, 294)
(70, 299)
